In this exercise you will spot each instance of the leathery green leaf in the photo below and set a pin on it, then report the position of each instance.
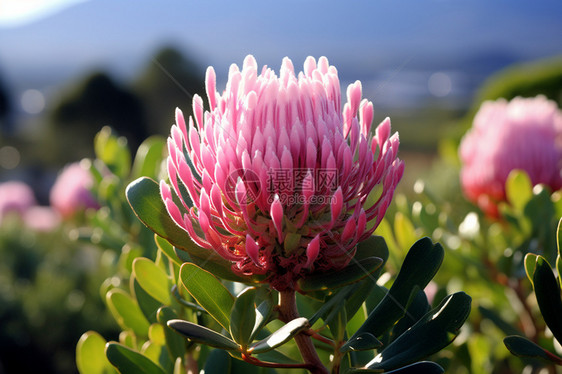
(126, 311)
(176, 345)
(128, 361)
(422, 367)
(147, 304)
(148, 157)
(243, 317)
(153, 280)
(518, 189)
(354, 272)
(362, 342)
(523, 347)
(208, 291)
(264, 311)
(547, 291)
(218, 361)
(203, 335)
(419, 267)
(90, 354)
(281, 336)
(530, 264)
(404, 230)
(167, 249)
(434, 331)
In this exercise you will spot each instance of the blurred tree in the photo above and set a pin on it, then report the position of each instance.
(169, 80)
(543, 77)
(94, 102)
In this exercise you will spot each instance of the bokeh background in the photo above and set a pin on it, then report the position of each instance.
(68, 68)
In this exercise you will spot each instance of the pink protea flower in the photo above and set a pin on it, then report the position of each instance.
(41, 218)
(15, 198)
(525, 133)
(71, 191)
(278, 175)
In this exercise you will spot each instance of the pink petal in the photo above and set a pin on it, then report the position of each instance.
(252, 250)
(312, 251)
(336, 206)
(276, 213)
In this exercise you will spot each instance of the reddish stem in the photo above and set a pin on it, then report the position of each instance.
(288, 311)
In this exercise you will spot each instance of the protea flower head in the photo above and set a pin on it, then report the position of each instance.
(71, 191)
(15, 198)
(525, 134)
(275, 176)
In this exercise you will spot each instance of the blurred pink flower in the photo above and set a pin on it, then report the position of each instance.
(71, 191)
(41, 218)
(279, 176)
(525, 133)
(15, 198)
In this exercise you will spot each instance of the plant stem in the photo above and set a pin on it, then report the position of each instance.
(288, 311)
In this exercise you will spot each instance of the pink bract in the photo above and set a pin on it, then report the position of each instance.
(525, 134)
(71, 191)
(277, 178)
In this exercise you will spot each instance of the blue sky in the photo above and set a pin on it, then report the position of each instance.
(362, 37)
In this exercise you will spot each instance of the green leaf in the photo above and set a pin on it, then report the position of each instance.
(334, 303)
(147, 304)
(547, 291)
(155, 353)
(337, 323)
(422, 367)
(434, 331)
(559, 247)
(156, 334)
(559, 269)
(522, 347)
(90, 354)
(113, 151)
(559, 237)
(362, 342)
(218, 361)
(128, 339)
(493, 316)
(264, 311)
(281, 336)
(243, 317)
(404, 230)
(419, 267)
(153, 280)
(185, 303)
(209, 292)
(126, 312)
(352, 273)
(144, 197)
(277, 357)
(203, 335)
(518, 189)
(128, 361)
(373, 246)
(358, 297)
(149, 157)
(167, 249)
(530, 263)
(176, 345)
(416, 310)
